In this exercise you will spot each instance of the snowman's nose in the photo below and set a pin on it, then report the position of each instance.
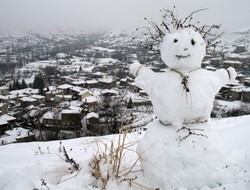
(185, 49)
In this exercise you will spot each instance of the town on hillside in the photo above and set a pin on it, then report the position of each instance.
(61, 86)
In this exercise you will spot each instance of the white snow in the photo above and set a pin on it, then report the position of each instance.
(104, 49)
(28, 99)
(107, 61)
(24, 165)
(3, 121)
(7, 117)
(65, 86)
(92, 114)
(90, 99)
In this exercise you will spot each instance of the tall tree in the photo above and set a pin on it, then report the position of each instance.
(38, 83)
(23, 84)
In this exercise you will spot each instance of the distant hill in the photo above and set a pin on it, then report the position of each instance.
(229, 41)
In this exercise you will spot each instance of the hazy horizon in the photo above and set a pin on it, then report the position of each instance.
(96, 15)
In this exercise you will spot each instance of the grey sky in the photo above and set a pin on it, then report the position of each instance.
(112, 14)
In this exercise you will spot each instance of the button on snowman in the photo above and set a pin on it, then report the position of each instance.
(179, 145)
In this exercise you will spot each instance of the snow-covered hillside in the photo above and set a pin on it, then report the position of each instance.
(228, 41)
(42, 165)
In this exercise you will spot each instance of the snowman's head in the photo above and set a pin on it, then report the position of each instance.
(183, 50)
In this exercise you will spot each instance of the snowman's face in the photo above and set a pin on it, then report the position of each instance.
(183, 50)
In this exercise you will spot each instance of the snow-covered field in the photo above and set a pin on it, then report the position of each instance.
(42, 165)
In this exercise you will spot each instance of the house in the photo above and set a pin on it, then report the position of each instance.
(51, 118)
(244, 58)
(232, 63)
(107, 83)
(92, 123)
(40, 98)
(141, 102)
(4, 125)
(84, 94)
(91, 103)
(123, 83)
(21, 134)
(4, 90)
(27, 101)
(240, 49)
(80, 83)
(60, 98)
(230, 92)
(16, 135)
(97, 75)
(3, 108)
(109, 92)
(246, 82)
(216, 61)
(142, 93)
(6, 122)
(133, 88)
(65, 88)
(245, 96)
(71, 117)
(75, 91)
(51, 94)
(91, 83)
(8, 98)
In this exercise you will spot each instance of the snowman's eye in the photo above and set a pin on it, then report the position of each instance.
(175, 40)
(193, 42)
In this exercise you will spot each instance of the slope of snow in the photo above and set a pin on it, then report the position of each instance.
(228, 41)
(24, 166)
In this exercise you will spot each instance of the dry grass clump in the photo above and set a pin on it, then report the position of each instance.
(109, 160)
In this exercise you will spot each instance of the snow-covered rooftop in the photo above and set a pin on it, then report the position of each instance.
(111, 91)
(24, 91)
(7, 117)
(107, 60)
(77, 88)
(91, 81)
(41, 64)
(69, 111)
(106, 80)
(65, 86)
(79, 82)
(85, 91)
(90, 99)
(37, 96)
(3, 121)
(103, 49)
(28, 99)
(92, 114)
(19, 132)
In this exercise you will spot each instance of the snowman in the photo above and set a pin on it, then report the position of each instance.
(179, 148)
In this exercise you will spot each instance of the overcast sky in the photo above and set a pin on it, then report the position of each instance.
(93, 15)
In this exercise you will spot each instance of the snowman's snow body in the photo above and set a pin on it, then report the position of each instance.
(182, 98)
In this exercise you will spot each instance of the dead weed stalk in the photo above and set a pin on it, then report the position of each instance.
(108, 162)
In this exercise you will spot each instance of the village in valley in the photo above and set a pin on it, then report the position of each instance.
(62, 86)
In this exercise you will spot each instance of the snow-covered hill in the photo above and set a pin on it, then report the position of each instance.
(42, 165)
(228, 41)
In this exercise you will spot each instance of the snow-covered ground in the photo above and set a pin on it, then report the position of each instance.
(42, 165)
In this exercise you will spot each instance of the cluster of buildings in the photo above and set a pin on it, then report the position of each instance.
(88, 100)
(87, 90)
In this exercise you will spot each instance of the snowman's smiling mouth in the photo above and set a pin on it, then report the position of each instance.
(182, 56)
